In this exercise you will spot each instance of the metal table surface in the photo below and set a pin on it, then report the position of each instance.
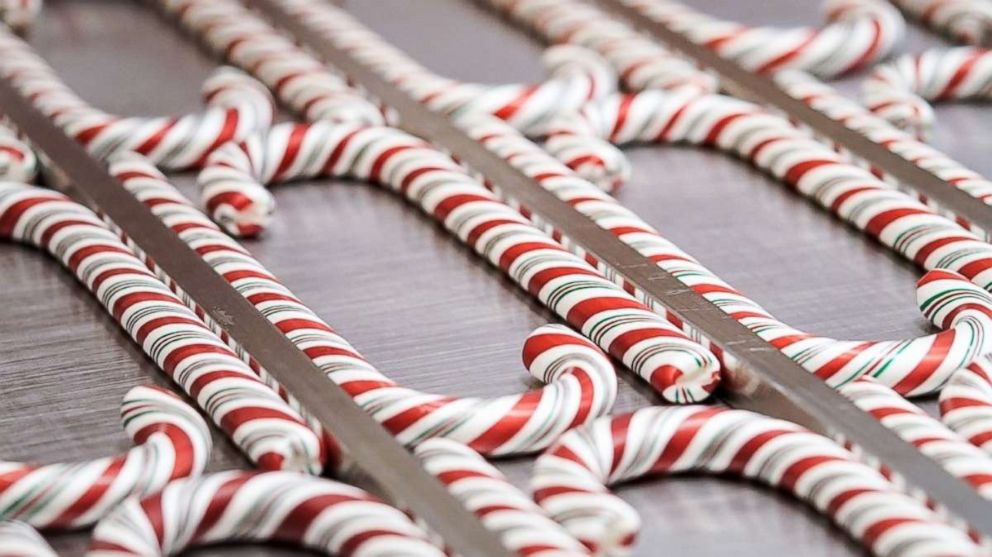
(439, 318)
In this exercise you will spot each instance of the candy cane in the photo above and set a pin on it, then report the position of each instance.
(966, 404)
(298, 79)
(676, 366)
(912, 367)
(19, 14)
(899, 91)
(828, 100)
(577, 74)
(18, 162)
(641, 62)
(173, 442)
(582, 383)
(932, 438)
(20, 540)
(570, 479)
(238, 105)
(271, 433)
(858, 32)
(968, 21)
(244, 507)
(523, 527)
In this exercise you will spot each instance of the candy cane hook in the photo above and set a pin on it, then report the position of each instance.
(677, 367)
(173, 442)
(900, 91)
(271, 433)
(913, 367)
(570, 479)
(237, 106)
(581, 380)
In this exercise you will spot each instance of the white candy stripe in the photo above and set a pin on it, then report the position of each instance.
(858, 33)
(570, 479)
(251, 507)
(173, 442)
(968, 21)
(581, 380)
(676, 366)
(913, 366)
(238, 105)
(524, 527)
(21, 540)
(271, 433)
(899, 91)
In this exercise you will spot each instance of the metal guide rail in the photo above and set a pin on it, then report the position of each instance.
(766, 380)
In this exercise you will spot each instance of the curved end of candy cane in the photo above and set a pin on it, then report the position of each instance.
(18, 162)
(563, 59)
(553, 351)
(231, 192)
(154, 412)
(945, 298)
(591, 158)
(18, 539)
(229, 87)
(904, 110)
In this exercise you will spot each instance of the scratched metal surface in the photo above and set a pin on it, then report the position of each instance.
(421, 307)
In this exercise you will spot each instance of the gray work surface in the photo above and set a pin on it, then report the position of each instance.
(419, 305)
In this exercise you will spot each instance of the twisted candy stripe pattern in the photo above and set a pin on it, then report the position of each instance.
(912, 367)
(257, 420)
(298, 79)
(858, 33)
(966, 404)
(577, 74)
(523, 527)
(640, 62)
(312, 513)
(20, 540)
(238, 105)
(828, 100)
(676, 366)
(582, 383)
(968, 21)
(173, 442)
(899, 91)
(18, 163)
(570, 478)
(19, 14)
(952, 451)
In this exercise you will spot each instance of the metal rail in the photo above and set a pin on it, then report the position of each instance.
(395, 471)
(766, 380)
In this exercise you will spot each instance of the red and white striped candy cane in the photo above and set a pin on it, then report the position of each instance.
(858, 33)
(238, 105)
(19, 14)
(570, 479)
(524, 528)
(968, 21)
(966, 404)
(676, 366)
(932, 438)
(581, 380)
(577, 74)
(900, 91)
(251, 507)
(641, 62)
(18, 162)
(298, 79)
(173, 442)
(912, 367)
(20, 540)
(271, 433)
(855, 116)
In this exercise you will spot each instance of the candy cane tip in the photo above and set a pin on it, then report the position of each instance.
(945, 297)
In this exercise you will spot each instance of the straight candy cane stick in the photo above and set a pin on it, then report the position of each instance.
(966, 404)
(571, 479)
(913, 367)
(271, 433)
(238, 105)
(676, 366)
(968, 21)
(173, 442)
(858, 33)
(582, 383)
